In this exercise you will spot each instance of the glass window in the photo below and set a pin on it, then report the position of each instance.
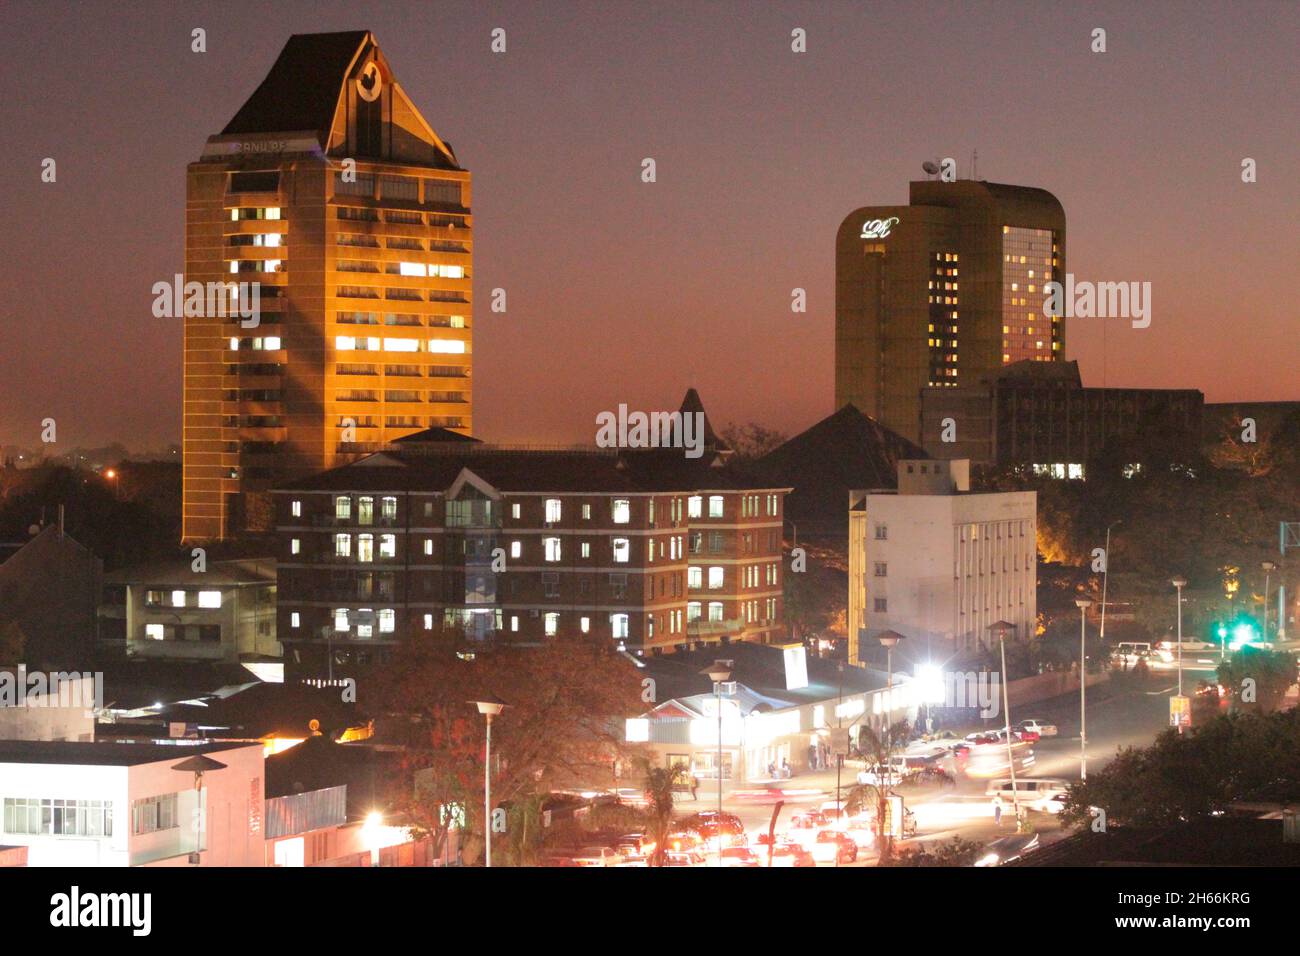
(342, 507)
(695, 577)
(715, 578)
(552, 623)
(695, 506)
(365, 547)
(551, 548)
(694, 611)
(622, 510)
(622, 550)
(343, 545)
(365, 510)
(387, 620)
(341, 619)
(552, 509)
(295, 509)
(178, 599)
(210, 599)
(388, 545)
(618, 625)
(388, 508)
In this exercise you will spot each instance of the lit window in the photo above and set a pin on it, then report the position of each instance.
(387, 620)
(586, 549)
(447, 346)
(585, 624)
(715, 506)
(552, 623)
(388, 545)
(428, 546)
(695, 506)
(622, 510)
(342, 545)
(401, 345)
(552, 509)
(694, 577)
(365, 547)
(341, 619)
(411, 269)
(428, 622)
(516, 549)
(622, 549)
(295, 508)
(210, 599)
(178, 599)
(618, 625)
(295, 619)
(551, 549)
(342, 507)
(715, 578)
(295, 545)
(154, 632)
(694, 611)
(514, 512)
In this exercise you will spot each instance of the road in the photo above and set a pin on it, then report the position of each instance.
(1128, 714)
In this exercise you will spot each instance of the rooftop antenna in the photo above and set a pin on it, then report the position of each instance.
(975, 164)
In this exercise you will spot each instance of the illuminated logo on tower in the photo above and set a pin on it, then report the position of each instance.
(878, 228)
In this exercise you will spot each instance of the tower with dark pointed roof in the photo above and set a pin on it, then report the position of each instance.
(331, 197)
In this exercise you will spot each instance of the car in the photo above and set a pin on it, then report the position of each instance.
(983, 737)
(809, 820)
(790, 854)
(900, 769)
(833, 846)
(742, 856)
(684, 858)
(635, 846)
(1042, 727)
(598, 856)
(1008, 849)
(1023, 733)
(1033, 793)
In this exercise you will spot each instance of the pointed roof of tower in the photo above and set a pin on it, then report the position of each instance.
(305, 90)
(691, 403)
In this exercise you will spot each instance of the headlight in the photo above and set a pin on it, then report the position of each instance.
(990, 859)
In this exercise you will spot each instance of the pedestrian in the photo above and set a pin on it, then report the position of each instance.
(997, 810)
(771, 769)
(785, 768)
(695, 785)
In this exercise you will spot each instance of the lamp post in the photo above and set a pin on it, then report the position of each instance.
(719, 672)
(490, 706)
(1001, 628)
(889, 640)
(1105, 580)
(198, 765)
(1268, 567)
(1180, 582)
(1083, 605)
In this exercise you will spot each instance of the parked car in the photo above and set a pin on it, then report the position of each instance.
(635, 846)
(684, 858)
(790, 854)
(597, 856)
(832, 846)
(1041, 727)
(733, 856)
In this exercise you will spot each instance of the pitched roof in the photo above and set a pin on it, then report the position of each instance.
(843, 451)
(302, 90)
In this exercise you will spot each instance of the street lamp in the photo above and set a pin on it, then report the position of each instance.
(1180, 582)
(1105, 580)
(1268, 567)
(1083, 604)
(1001, 628)
(889, 640)
(490, 706)
(719, 672)
(198, 765)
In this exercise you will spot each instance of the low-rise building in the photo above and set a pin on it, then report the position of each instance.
(113, 804)
(167, 610)
(940, 564)
(649, 548)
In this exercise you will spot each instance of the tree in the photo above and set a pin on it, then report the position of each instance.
(565, 704)
(658, 787)
(1238, 757)
(751, 440)
(1269, 673)
(877, 747)
(957, 852)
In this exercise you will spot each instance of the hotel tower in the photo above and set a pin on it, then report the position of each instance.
(942, 293)
(332, 194)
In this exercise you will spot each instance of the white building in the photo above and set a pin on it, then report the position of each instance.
(113, 804)
(940, 564)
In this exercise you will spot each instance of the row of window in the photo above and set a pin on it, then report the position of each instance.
(353, 343)
(181, 598)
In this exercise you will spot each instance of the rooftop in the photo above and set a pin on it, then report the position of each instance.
(100, 754)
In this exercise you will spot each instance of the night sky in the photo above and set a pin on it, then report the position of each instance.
(621, 291)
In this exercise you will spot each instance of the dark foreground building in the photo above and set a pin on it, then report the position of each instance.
(1040, 414)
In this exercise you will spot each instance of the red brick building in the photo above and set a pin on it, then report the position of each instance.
(646, 547)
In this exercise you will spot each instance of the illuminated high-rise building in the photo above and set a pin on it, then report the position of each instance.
(332, 193)
(942, 292)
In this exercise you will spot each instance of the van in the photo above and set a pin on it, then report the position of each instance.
(1036, 793)
(900, 767)
(1131, 651)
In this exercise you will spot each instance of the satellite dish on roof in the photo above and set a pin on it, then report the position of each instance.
(931, 167)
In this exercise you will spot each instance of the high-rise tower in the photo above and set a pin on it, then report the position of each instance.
(941, 292)
(331, 193)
